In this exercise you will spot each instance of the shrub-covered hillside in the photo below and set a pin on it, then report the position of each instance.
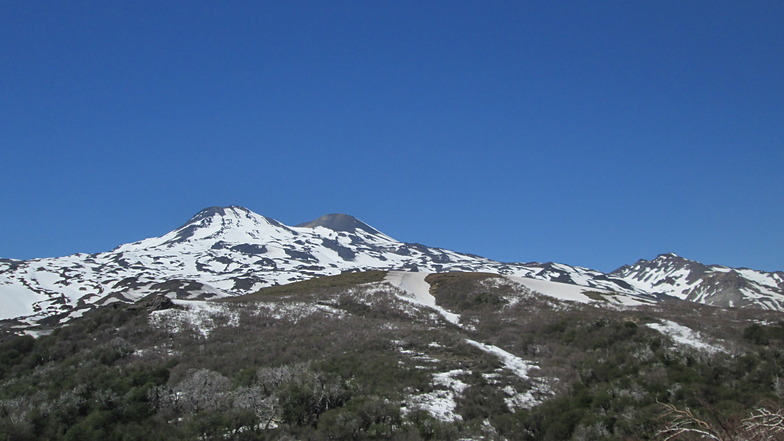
(352, 357)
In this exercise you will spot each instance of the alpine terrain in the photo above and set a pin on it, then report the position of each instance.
(229, 251)
(237, 327)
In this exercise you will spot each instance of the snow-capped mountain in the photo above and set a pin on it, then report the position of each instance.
(228, 251)
(710, 284)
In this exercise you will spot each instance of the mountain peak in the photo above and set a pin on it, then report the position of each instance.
(662, 260)
(220, 211)
(237, 212)
(340, 222)
(214, 222)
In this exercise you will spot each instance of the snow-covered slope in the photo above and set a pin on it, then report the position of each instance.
(717, 285)
(228, 251)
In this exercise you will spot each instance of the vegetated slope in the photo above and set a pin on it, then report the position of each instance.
(401, 356)
(230, 251)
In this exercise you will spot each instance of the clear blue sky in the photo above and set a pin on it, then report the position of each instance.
(588, 133)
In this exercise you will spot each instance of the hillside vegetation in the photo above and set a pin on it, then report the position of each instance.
(352, 358)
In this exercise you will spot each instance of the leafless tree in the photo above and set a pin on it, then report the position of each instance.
(202, 390)
(762, 425)
(265, 407)
(684, 424)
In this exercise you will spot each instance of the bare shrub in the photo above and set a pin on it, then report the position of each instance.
(762, 425)
(202, 390)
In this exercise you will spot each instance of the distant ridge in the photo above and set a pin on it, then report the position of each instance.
(718, 285)
(229, 251)
(339, 222)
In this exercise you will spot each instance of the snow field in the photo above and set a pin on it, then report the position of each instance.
(685, 336)
(573, 293)
(440, 403)
(519, 368)
(419, 292)
(17, 301)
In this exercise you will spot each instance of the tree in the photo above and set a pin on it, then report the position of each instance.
(762, 425)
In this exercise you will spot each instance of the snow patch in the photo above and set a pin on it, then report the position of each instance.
(440, 403)
(517, 365)
(685, 336)
(521, 369)
(17, 301)
(419, 292)
(558, 290)
(575, 293)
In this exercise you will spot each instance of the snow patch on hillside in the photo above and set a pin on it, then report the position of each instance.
(576, 293)
(17, 301)
(419, 292)
(560, 291)
(685, 336)
(440, 403)
(521, 369)
(517, 365)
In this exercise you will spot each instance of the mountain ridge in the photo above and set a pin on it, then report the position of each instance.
(229, 251)
(711, 284)
(339, 222)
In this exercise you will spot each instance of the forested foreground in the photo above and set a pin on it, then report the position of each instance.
(357, 362)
